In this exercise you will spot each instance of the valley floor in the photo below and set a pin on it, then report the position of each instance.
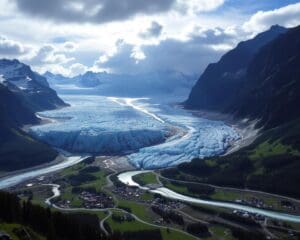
(126, 134)
(92, 186)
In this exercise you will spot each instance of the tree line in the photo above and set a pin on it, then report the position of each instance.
(52, 225)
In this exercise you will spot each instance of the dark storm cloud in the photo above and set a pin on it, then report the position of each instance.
(153, 31)
(98, 11)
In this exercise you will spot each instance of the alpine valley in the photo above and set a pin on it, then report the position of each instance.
(150, 154)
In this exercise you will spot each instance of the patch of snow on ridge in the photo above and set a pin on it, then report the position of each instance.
(2, 79)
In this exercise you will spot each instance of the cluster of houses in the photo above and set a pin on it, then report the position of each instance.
(167, 206)
(89, 201)
(255, 202)
(253, 216)
(96, 200)
(62, 203)
(288, 205)
(130, 193)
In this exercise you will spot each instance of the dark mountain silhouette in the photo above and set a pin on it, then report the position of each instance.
(219, 88)
(267, 90)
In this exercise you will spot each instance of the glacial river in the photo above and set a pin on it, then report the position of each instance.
(13, 180)
(126, 178)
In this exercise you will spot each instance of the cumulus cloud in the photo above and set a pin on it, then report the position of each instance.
(287, 16)
(196, 6)
(48, 55)
(101, 11)
(153, 31)
(11, 48)
(77, 68)
(169, 42)
(190, 56)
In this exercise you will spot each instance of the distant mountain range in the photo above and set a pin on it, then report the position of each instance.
(22, 93)
(258, 80)
(169, 83)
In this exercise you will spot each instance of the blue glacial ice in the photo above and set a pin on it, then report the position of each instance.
(151, 134)
(95, 124)
(198, 138)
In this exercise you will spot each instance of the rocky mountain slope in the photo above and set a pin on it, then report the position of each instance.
(22, 93)
(269, 93)
(30, 86)
(17, 149)
(218, 88)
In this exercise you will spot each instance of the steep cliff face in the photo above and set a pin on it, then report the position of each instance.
(271, 92)
(220, 84)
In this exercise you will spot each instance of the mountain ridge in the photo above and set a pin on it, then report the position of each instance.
(22, 93)
(270, 93)
(218, 86)
(28, 85)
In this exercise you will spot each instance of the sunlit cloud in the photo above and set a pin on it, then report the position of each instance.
(71, 37)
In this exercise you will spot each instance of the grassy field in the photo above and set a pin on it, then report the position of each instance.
(98, 182)
(145, 178)
(225, 195)
(73, 198)
(175, 188)
(140, 210)
(219, 232)
(147, 196)
(175, 235)
(267, 149)
(127, 226)
(134, 226)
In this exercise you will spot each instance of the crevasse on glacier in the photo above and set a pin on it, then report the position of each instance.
(157, 135)
(200, 138)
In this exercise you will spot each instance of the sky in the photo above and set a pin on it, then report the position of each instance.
(133, 36)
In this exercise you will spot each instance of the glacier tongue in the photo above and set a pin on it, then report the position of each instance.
(95, 124)
(201, 138)
(152, 135)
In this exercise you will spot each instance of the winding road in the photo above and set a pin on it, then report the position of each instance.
(109, 210)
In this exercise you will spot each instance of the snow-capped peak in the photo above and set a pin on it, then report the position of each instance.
(2, 79)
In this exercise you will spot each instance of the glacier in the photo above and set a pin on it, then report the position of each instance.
(198, 138)
(98, 125)
(151, 132)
